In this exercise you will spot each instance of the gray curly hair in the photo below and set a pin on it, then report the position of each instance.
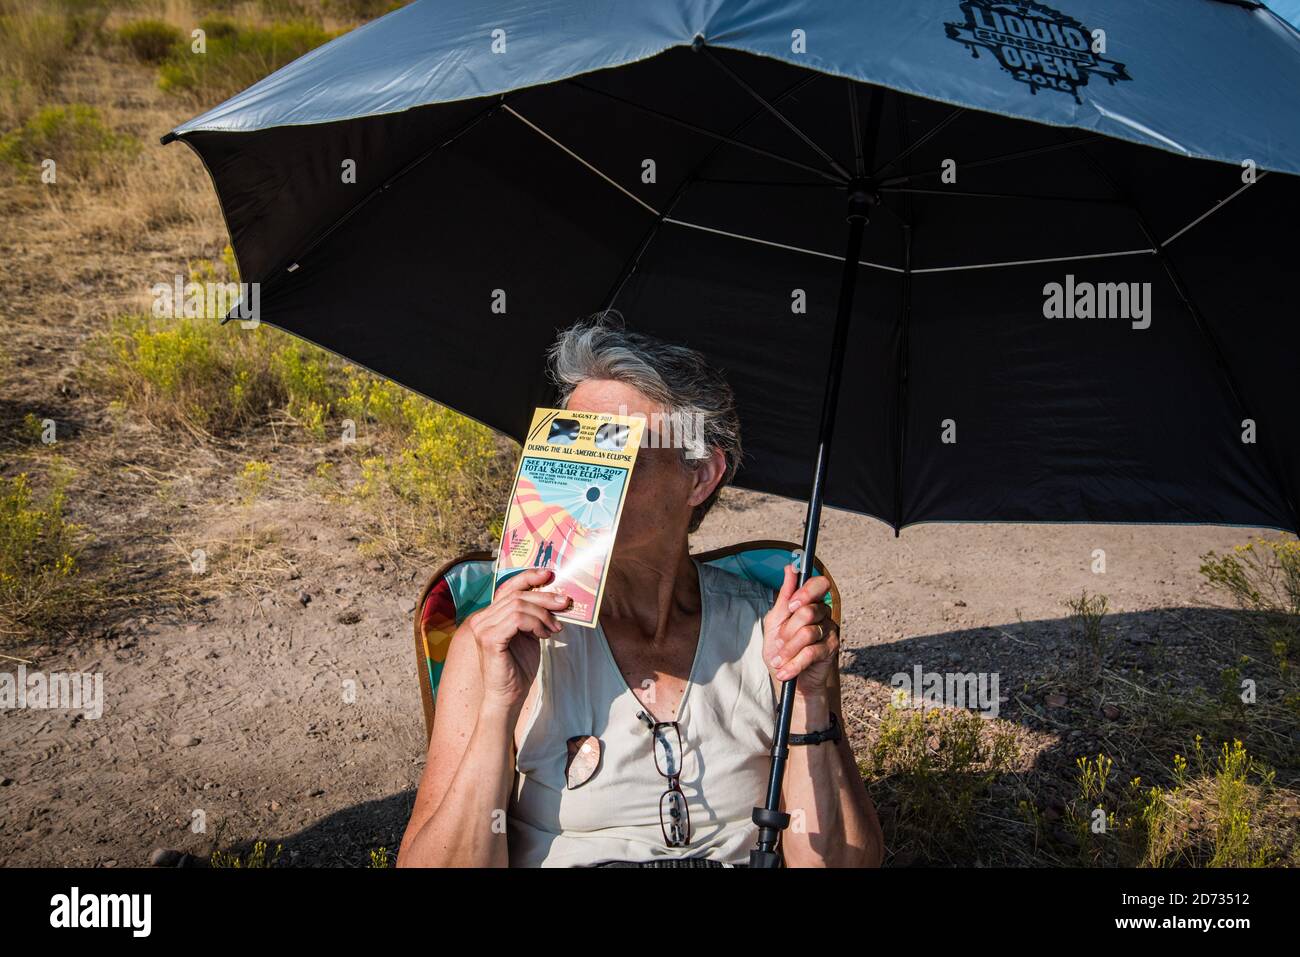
(701, 408)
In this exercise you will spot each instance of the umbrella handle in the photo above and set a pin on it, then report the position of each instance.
(862, 195)
(771, 820)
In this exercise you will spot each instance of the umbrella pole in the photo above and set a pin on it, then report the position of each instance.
(771, 820)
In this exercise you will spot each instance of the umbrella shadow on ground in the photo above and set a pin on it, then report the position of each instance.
(1182, 647)
(1174, 653)
(344, 838)
(1137, 687)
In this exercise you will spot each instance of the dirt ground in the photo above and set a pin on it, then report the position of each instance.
(238, 711)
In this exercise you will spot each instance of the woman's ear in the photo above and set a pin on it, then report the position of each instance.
(706, 475)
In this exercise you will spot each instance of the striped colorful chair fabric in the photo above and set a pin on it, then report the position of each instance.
(463, 586)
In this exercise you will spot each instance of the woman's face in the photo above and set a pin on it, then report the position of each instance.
(664, 489)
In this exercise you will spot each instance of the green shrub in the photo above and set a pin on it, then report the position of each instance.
(40, 584)
(360, 10)
(84, 20)
(431, 478)
(309, 378)
(288, 9)
(194, 373)
(1088, 612)
(236, 57)
(936, 766)
(151, 41)
(437, 449)
(75, 138)
(1224, 813)
(440, 479)
(1263, 577)
(207, 377)
(219, 28)
(253, 480)
(258, 857)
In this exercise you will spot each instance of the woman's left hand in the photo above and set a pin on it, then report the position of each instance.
(799, 638)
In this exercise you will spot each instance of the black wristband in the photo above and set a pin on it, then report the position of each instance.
(817, 737)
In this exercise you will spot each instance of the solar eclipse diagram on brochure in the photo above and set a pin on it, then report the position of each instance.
(566, 503)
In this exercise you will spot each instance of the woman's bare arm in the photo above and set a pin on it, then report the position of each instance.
(459, 818)
(834, 820)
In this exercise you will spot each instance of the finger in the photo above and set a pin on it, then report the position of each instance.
(553, 601)
(502, 619)
(798, 639)
(529, 619)
(810, 655)
(522, 581)
(813, 590)
(809, 614)
(806, 615)
(784, 593)
(522, 618)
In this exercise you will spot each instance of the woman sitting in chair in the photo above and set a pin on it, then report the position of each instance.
(645, 741)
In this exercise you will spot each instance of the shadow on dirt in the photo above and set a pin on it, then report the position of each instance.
(1132, 688)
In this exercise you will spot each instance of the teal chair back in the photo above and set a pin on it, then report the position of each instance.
(463, 586)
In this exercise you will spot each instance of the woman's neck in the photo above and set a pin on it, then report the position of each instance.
(650, 588)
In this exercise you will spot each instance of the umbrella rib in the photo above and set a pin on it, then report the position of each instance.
(776, 245)
(991, 160)
(925, 138)
(855, 130)
(712, 181)
(541, 132)
(712, 134)
(830, 160)
(905, 321)
(664, 218)
(1213, 209)
(1035, 262)
(977, 195)
(900, 374)
(629, 266)
(286, 266)
(1198, 320)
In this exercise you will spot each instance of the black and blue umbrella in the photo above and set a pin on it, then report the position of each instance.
(1013, 261)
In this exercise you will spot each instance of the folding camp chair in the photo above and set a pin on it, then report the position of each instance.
(463, 586)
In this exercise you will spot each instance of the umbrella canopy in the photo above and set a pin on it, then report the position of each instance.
(1288, 10)
(1068, 304)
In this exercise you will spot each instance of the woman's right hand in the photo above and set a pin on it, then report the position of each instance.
(506, 631)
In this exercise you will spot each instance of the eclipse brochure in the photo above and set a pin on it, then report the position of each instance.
(567, 501)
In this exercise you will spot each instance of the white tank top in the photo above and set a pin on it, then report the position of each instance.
(725, 718)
